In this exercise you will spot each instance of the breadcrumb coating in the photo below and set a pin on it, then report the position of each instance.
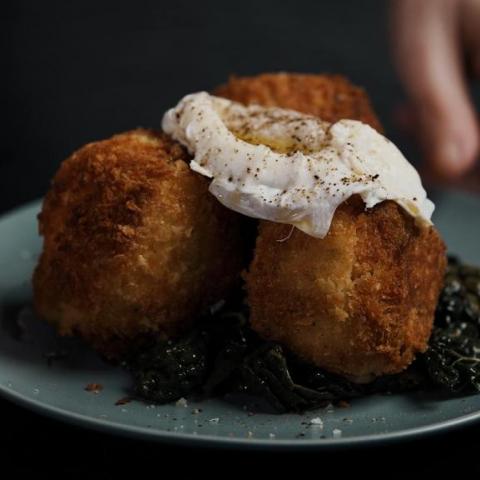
(359, 302)
(330, 97)
(133, 243)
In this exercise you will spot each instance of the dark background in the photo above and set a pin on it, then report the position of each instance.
(79, 71)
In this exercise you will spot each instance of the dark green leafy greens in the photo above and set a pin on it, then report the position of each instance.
(166, 371)
(452, 360)
(222, 355)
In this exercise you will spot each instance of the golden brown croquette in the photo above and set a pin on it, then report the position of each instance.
(330, 97)
(359, 302)
(133, 242)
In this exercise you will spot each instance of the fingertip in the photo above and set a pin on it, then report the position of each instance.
(449, 136)
(451, 157)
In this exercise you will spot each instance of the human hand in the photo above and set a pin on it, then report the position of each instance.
(436, 46)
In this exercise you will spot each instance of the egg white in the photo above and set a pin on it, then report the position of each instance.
(287, 167)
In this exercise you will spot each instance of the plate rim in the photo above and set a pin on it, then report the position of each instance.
(199, 440)
(202, 440)
(19, 209)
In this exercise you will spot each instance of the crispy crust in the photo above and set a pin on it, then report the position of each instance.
(361, 301)
(133, 242)
(330, 97)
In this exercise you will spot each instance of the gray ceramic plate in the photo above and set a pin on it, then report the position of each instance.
(58, 389)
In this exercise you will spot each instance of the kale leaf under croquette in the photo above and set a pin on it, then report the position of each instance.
(222, 355)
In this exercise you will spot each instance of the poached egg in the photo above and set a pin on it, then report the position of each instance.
(288, 167)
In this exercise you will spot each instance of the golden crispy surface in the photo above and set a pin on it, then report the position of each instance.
(133, 242)
(330, 97)
(359, 302)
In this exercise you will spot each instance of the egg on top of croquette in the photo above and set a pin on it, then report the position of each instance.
(347, 267)
(288, 167)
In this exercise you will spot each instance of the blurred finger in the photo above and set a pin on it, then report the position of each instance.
(426, 45)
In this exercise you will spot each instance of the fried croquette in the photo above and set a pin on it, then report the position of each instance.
(361, 301)
(133, 243)
(330, 97)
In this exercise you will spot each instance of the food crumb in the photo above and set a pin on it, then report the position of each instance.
(196, 411)
(94, 387)
(317, 422)
(337, 433)
(181, 402)
(271, 435)
(214, 420)
(123, 401)
(343, 404)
